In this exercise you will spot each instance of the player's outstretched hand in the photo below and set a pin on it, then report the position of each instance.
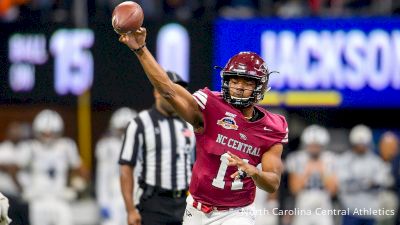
(135, 39)
(242, 166)
(134, 218)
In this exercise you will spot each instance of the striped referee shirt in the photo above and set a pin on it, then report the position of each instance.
(161, 148)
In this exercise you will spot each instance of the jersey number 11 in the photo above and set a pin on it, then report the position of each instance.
(219, 182)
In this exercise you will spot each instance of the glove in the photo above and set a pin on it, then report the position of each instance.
(4, 219)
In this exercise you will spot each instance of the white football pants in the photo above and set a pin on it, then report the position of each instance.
(50, 212)
(236, 216)
(118, 214)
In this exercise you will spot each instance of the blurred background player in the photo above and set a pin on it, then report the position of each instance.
(389, 151)
(312, 178)
(265, 203)
(108, 188)
(50, 157)
(10, 176)
(158, 145)
(361, 175)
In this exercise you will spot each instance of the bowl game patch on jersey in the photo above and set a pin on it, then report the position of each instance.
(228, 123)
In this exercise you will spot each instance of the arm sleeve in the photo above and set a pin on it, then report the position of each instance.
(281, 130)
(24, 154)
(201, 97)
(285, 131)
(133, 143)
(73, 155)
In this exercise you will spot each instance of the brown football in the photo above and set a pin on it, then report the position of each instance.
(127, 16)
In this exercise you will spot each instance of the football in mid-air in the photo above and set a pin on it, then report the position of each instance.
(127, 16)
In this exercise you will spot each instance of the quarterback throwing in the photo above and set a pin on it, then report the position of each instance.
(233, 136)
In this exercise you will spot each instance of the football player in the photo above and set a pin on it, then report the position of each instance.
(108, 189)
(233, 135)
(311, 177)
(50, 157)
(362, 175)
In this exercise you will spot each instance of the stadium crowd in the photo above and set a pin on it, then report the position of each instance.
(64, 10)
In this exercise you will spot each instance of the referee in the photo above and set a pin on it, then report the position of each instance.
(158, 144)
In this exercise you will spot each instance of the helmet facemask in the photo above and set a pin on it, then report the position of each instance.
(256, 96)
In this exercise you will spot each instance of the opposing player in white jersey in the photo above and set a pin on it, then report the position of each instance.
(362, 175)
(108, 191)
(311, 177)
(49, 159)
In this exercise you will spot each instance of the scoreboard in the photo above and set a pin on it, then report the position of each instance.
(321, 62)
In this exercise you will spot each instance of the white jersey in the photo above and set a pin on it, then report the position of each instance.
(360, 177)
(108, 190)
(314, 194)
(49, 164)
(8, 156)
(107, 173)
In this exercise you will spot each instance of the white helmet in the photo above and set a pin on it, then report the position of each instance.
(315, 134)
(120, 118)
(360, 135)
(48, 121)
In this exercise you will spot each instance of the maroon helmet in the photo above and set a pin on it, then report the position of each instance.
(249, 65)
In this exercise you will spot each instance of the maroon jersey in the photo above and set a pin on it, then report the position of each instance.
(226, 129)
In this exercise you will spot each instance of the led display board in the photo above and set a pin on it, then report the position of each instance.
(321, 62)
(73, 61)
(55, 63)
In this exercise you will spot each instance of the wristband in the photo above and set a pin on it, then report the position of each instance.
(140, 48)
(242, 174)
